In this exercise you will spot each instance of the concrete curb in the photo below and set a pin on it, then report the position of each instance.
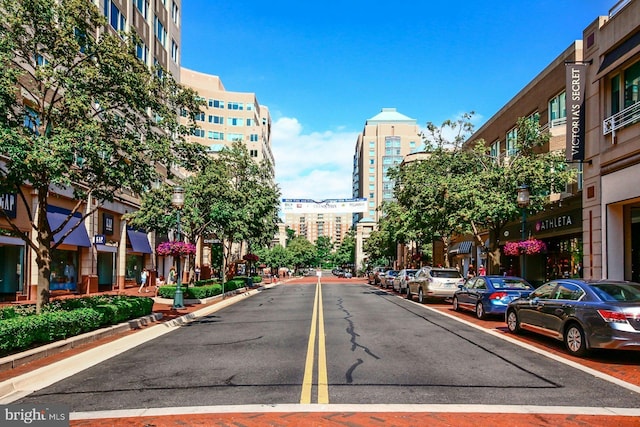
(14, 360)
(22, 385)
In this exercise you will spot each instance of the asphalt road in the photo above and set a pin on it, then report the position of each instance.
(377, 349)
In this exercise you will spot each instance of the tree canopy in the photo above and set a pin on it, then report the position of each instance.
(80, 112)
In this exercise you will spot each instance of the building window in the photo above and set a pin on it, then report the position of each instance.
(200, 116)
(142, 52)
(160, 31)
(615, 94)
(198, 132)
(372, 161)
(218, 120)
(235, 106)
(234, 137)
(253, 153)
(253, 137)
(143, 7)
(174, 51)
(494, 151)
(372, 144)
(236, 121)
(631, 85)
(372, 153)
(512, 139)
(31, 120)
(175, 13)
(114, 16)
(558, 110)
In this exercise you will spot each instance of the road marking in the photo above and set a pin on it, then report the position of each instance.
(370, 408)
(317, 324)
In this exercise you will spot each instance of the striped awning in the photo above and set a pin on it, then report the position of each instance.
(461, 248)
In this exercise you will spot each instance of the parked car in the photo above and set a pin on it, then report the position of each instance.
(388, 278)
(487, 295)
(583, 314)
(376, 275)
(432, 282)
(400, 281)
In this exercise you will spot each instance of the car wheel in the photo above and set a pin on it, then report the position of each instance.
(455, 304)
(513, 324)
(480, 314)
(575, 341)
(420, 296)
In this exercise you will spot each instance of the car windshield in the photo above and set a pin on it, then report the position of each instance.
(445, 274)
(510, 284)
(625, 292)
(411, 272)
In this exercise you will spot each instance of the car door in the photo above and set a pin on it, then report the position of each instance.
(419, 278)
(531, 311)
(478, 289)
(561, 306)
(464, 294)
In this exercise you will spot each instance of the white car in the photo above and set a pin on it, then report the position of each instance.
(400, 281)
(432, 282)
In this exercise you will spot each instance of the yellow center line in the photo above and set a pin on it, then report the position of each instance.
(317, 323)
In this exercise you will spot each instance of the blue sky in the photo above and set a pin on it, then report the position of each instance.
(324, 68)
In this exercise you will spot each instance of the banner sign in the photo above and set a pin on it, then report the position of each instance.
(575, 87)
(296, 206)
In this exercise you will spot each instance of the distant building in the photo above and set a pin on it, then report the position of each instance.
(313, 225)
(387, 137)
(230, 116)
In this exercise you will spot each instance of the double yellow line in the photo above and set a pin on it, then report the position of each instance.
(317, 324)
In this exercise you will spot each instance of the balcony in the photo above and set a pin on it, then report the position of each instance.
(624, 118)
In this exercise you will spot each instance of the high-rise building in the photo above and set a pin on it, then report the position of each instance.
(387, 137)
(157, 23)
(230, 116)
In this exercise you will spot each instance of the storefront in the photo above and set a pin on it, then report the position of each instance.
(65, 259)
(12, 262)
(561, 232)
(138, 247)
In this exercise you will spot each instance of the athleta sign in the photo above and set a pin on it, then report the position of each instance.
(554, 222)
(575, 81)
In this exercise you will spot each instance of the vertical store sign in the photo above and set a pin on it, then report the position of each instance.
(575, 81)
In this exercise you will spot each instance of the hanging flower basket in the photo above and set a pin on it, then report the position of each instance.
(176, 249)
(251, 257)
(526, 247)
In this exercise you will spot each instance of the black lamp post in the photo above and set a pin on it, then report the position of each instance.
(523, 202)
(177, 200)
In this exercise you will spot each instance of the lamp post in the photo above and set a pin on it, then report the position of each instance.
(177, 200)
(523, 202)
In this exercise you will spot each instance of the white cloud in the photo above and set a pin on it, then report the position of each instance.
(313, 166)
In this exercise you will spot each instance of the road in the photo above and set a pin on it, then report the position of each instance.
(334, 344)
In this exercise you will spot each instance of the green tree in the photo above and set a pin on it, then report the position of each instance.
(324, 248)
(302, 253)
(80, 112)
(345, 254)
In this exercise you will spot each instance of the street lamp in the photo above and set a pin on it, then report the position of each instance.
(523, 202)
(177, 200)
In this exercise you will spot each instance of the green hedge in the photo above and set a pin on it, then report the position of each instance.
(21, 328)
(206, 291)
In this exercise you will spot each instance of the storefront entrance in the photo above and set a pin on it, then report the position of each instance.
(11, 271)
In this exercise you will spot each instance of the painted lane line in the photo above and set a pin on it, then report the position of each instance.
(323, 386)
(307, 382)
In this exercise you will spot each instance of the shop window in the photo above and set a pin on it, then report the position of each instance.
(64, 270)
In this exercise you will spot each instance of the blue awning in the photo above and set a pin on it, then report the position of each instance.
(14, 241)
(78, 237)
(139, 241)
(106, 248)
(461, 248)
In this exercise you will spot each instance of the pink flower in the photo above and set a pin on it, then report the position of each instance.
(251, 257)
(176, 249)
(527, 247)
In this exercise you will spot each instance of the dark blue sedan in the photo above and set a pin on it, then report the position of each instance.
(486, 295)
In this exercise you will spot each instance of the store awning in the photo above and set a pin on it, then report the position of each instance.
(461, 248)
(106, 248)
(619, 55)
(13, 241)
(78, 237)
(139, 241)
